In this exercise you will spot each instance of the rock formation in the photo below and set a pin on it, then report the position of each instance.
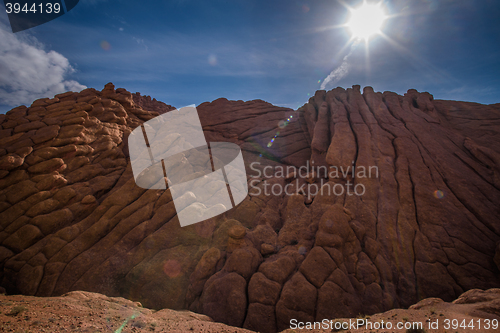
(418, 217)
(147, 103)
(81, 311)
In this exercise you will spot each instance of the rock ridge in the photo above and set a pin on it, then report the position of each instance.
(426, 225)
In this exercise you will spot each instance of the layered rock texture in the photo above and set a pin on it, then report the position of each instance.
(419, 217)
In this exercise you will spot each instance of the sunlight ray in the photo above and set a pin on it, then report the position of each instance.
(433, 70)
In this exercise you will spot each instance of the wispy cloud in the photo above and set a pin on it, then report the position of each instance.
(340, 72)
(141, 42)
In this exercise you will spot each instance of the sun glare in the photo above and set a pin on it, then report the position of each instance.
(366, 20)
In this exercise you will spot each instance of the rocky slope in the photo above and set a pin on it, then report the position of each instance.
(426, 225)
(80, 311)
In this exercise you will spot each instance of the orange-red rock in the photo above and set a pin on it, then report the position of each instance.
(426, 225)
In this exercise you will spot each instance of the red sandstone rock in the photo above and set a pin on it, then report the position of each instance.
(427, 224)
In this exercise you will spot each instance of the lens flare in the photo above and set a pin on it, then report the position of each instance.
(172, 268)
(212, 60)
(105, 45)
(438, 194)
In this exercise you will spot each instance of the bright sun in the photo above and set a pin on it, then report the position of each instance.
(366, 20)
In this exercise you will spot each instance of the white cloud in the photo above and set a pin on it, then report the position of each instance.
(29, 72)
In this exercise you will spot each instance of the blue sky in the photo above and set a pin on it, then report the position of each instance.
(187, 52)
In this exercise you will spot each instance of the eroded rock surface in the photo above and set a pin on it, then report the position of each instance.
(81, 311)
(426, 225)
(474, 311)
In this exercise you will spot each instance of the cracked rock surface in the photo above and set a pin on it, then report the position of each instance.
(426, 225)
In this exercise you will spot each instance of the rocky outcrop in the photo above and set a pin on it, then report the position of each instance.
(151, 104)
(389, 199)
(81, 311)
(474, 311)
